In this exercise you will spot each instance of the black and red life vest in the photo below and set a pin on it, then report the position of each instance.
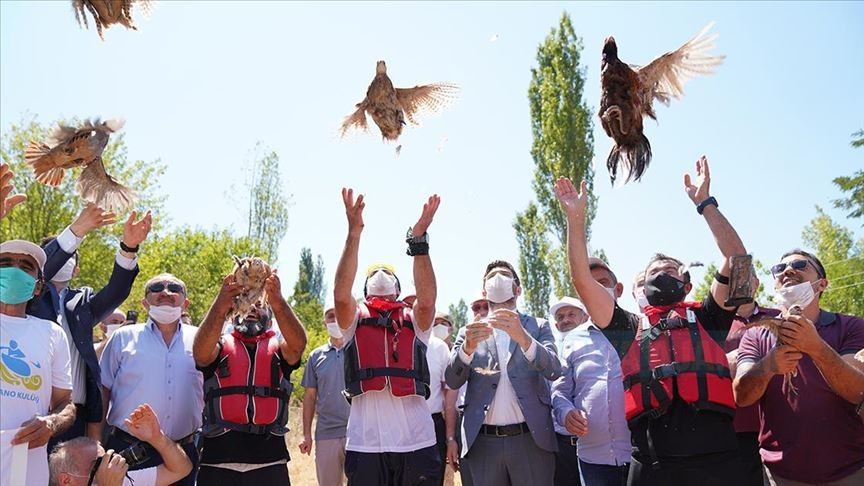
(248, 391)
(673, 355)
(385, 352)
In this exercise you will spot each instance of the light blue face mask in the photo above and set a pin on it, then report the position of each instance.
(16, 285)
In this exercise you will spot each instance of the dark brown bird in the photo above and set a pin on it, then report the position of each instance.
(108, 12)
(70, 147)
(629, 92)
(389, 107)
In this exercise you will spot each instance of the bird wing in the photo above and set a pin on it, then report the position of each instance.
(665, 76)
(96, 186)
(355, 120)
(430, 98)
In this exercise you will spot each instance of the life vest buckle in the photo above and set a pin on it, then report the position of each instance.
(664, 371)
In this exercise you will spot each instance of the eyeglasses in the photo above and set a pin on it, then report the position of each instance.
(172, 287)
(799, 265)
(478, 307)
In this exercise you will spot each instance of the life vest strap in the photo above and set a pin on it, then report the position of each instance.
(257, 429)
(254, 391)
(366, 373)
(674, 369)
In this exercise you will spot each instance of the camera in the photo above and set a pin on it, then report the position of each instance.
(136, 454)
(131, 317)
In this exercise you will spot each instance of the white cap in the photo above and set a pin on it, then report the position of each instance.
(24, 247)
(567, 301)
(330, 305)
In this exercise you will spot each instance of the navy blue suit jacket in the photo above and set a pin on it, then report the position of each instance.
(83, 308)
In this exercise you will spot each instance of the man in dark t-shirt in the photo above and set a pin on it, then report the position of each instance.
(683, 446)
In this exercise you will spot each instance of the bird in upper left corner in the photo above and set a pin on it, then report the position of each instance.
(108, 12)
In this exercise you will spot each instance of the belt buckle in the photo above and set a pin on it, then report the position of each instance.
(498, 428)
(573, 440)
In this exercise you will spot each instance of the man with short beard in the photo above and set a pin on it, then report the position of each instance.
(247, 387)
(809, 430)
(507, 433)
(152, 362)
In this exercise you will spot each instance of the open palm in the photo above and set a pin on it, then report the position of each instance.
(571, 200)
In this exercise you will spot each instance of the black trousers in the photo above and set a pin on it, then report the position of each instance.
(441, 445)
(464, 471)
(566, 462)
(718, 469)
(416, 468)
(751, 461)
(122, 441)
(275, 475)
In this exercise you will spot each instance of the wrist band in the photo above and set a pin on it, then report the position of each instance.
(704, 204)
(417, 249)
(721, 278)
(130, 249)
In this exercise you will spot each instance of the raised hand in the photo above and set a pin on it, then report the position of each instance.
(353, 210)
(572, 202)
(700, 191)
(91, 217)
(143, 424)
(227, 293)
(8, 202)
(134, 233)
(426, 216)
(273, 287)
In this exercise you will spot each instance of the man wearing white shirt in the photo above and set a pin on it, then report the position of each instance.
(35, 379)
(437, 354)
(507, 433)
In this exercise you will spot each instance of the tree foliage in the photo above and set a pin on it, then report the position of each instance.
(853, 185)
(310, 279)
(268, 204)
(458, 315)
(843, 258)
(533, 257)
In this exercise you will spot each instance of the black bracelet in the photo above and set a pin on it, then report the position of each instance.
(723, 279)
(129, 249)
(416, 249)
(704, 204)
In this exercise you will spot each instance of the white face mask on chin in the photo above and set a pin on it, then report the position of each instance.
(499, 288)
(380, 284)
(441, 332)
(334, 330)
(66, 271)
(799, 294)
(165, 314)
(641, 300)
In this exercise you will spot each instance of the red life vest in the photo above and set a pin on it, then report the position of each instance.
(674, 356)
(248, 391)
(385, 351)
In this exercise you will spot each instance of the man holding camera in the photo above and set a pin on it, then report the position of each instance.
(83, 460)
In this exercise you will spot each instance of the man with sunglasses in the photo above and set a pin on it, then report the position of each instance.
(79, 309)
(83, 461)
(807, 382)
(152, 362)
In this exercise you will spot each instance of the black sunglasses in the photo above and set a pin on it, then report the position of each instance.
(172, 287)
(778, 269)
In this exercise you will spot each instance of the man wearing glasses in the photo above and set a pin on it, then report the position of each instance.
(153, 363)
(809, 430)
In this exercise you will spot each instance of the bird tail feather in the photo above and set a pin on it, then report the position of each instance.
(43, 167)
(96, 186)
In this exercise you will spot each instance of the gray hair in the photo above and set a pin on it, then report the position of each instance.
(62, 459)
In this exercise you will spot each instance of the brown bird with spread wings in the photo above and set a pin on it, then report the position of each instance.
(389, 106)
(70, 147)
(629, 93)
(108, 12)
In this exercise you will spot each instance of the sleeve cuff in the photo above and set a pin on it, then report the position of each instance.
(562, 411)
(465, 357)
(127, 263)
(531, 352)
(68, 241)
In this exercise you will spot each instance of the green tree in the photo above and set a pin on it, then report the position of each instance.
(843, 258)
(563, 144)
(310, 279)
(533, 257)
(853, 185)
(49, 210)
(268, 204)
(458, 315)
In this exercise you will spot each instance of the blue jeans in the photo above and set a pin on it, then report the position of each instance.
(602, 474)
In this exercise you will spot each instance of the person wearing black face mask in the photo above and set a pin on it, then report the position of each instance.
(678, 390)
(247, 387)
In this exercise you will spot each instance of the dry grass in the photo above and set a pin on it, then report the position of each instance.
(302, 467)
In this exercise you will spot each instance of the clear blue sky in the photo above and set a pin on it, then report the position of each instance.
(202, 82)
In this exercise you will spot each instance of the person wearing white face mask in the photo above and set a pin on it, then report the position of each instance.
(79, 309)
(819, 400)
(324, 380)
(153, 363)
(391, 436)
(505, 359)
(638, 291)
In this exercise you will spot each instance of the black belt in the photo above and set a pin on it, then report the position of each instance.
(504, 430)
(572, 439)
(130, 439)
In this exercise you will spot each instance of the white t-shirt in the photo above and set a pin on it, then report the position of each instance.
(142, 477)
(437, 355)
(380, 422)
(34, 358)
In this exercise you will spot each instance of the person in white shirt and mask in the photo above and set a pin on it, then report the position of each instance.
(506, 358)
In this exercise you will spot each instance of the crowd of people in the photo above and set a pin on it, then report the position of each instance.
(674, 392)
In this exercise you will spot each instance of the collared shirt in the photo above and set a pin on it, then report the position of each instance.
(504, 409)
(325, 371)
(437, 355)
(592, 382)
(139, 368)
(69, 243)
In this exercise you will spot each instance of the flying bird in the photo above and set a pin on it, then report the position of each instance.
(629, 92)
(250, 273)
(70, 147)
(108, 12)
(389, 107)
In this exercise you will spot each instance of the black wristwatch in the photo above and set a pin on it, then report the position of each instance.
(417, 245)
(704, 204)
(129, 249)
